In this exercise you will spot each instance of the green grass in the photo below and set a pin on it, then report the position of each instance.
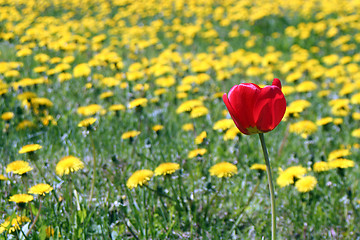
(189, 204)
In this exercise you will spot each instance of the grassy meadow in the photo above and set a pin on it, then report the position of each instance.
(113, 124)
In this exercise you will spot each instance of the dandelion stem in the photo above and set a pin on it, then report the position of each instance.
(216, 196)
(24, 180)
(130, 229)
(94, 168)
(70, 190)
(168, 179)
(35, 220)
(40, 171)
(271, 186)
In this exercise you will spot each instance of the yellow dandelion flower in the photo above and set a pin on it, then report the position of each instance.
(130, 134)
(188, 106)
(306, 184)
(36, 102)
(3, 178)
(105, 95)
(292, 111)
(141, 87)
(338, 121)
(25, 124)
(306, 86)
(217, 95)
(197, 152)
(30, 148)
(3, 91)
(340, 107)
(55, 60)
(13, 224)
(355, 99)
(332, 58)
(82, 70)
(347, 89)
(68, 164)
(257, 166)
(339, 153)
(154, 100)
(296, 107)
(23, 52)
(21, 198)
(223, 124)
(324, 121)
(292, 77)
(356, 133)
(183, 88)
(41, 57)
(301, 103)
(68, 59)
(304, 128)
(231, 133)
(165, 81)
(40, 69)
(139, 178)
(18, 167)
(323, 93)
(110, 81)
(287, 90)
(188, 127)
(87, 122)
(139, 102)
(199, 112)
(47, 120)
(12, 73)
(285, 180)
(356, 115)
(341, 163)
(89, 110)
(321, 166)
(26, 96)
(40, 189)
(166, 168)
(50, 232)
(223, 169)
(6, 116)
(200, 138)
(117, 107)
(181, 95)
(160, 91)
(157, 127)
(289, 175)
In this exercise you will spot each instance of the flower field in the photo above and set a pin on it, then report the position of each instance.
(113, 122)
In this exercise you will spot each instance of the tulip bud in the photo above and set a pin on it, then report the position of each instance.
(255, 109)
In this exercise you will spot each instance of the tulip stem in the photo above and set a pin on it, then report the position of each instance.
(271, 186)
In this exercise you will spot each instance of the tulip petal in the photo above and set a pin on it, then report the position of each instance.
(269, 108)
(242, 98)
(233, 114)
(276, 82)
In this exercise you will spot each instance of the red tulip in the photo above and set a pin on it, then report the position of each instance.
(255, 109)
